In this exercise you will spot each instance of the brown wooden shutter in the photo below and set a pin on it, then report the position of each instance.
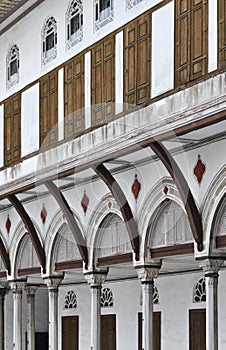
(222, 34)
(137, 53)
(74, 96)
(103, 81)
(199, 38)
(49, 110)
(70, 333)
(197, 329)
(191, 40)
(12, 129)
(182, 42)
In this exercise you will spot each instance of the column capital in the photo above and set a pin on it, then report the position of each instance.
(30, 289)
(148, 272)
(17, 286)
(53, 282)
(211, 266)
(96, 278)
(4, 288)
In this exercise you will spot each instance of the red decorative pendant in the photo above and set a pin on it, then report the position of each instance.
(136, 187)
(199, 169)
(85, 202)
(165, 190)
(8, 224)
(109, 205)
(43, 214)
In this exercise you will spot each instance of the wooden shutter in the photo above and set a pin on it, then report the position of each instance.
(12, 129)
(199, 38)
(137, 53)
(49, 110)
(222, 34)
(191, 40)
(108, 332)
(74, 96)
(103, 81)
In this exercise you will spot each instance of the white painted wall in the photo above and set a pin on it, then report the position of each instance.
(88, 89)
(61, 104)
(212, 35)
(30, 120)
(119, 73)
(1, 136)
(162, 63)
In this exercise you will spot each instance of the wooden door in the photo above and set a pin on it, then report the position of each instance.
(197, 329)
(70, 325)
(108, 332)
(156, 331)
(221, 34)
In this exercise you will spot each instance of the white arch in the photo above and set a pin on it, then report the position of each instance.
(99, 214)
(57, 222)
(19, 233)
(152, 201)
(210, 204)
(5, 244)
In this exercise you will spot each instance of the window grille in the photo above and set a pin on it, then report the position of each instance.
(106, 298)
(70, 301)
(13, 64)
(74, 20)
(132, 3)
(49, 40)
(104, 12)
(200, 291)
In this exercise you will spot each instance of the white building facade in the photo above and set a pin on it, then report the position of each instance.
(112, 174)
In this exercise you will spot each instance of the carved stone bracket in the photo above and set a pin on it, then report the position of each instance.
(17, 286)
(30, 290)
(53, 282)
(96, 278)
(148, 272)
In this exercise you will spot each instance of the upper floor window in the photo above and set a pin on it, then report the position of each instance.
(49, 40)
(74, 19)
(131, 3)
(13, 66)
(104, 12)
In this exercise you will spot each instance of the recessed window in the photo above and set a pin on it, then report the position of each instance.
(132, 3)
(49, 40)
(107, 298)
(199, 293)
(74, 20)
(13, 64)
(104, 12)
(70, 300)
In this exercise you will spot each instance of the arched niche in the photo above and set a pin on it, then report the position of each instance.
(26, 261)
(169, 232)
(65, 253)
(218, 230)
(112, 240)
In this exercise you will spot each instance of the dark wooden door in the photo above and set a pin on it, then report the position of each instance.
(70, 333)
(108, 332)
(197, 329)
(156, 331)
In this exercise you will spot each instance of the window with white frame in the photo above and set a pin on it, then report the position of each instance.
(104, 12)
(13, 64)
(49, 40)
(199, 293)
(132, 3)
(74, 20)
(70, 300)
(107, 298)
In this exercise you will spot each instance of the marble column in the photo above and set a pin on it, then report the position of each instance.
(211, 268)
(147, 274)
(95, 280)
(53, 285)
(17, 289)
(3, 291)
(30, 291)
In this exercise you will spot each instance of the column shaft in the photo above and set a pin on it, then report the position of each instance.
(53, 319)
(2, 318)
(17, 320)
(30, 318)
(95, 317)
(147, 314)
(211, 311)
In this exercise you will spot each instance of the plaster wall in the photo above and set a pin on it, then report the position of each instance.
(1, 136)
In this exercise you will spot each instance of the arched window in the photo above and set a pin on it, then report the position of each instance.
(106, 298)
(104, 12)
(199, 294)
(70, 301)
(13, 64)
(49, 40)
(132, 3)
(74, 20)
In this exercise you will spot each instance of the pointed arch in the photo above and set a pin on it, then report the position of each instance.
(5, 255)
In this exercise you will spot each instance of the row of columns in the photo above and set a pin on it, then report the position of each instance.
(146, 273)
